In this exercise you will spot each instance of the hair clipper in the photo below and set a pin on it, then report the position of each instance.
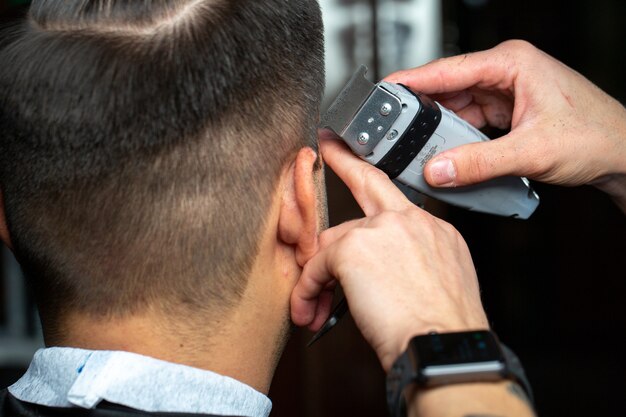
(399, 131)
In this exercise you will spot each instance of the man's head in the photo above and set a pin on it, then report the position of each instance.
(143, 142)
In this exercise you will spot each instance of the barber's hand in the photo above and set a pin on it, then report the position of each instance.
(564, 130)
(403, 271)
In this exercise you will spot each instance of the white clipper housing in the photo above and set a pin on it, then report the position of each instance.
(399, 131)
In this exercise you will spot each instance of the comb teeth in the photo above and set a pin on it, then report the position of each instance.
(348, 102)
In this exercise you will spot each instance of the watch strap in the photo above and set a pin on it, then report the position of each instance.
(516, 371)
(401, 375)
(404, 373)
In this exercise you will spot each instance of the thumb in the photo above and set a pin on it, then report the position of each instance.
(478, 162)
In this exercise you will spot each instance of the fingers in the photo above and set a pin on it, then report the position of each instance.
(487, 69)
(496, 107)
(322, 311)
(306, 309)
(473, 115)
(312, 296)
(454, 101)
(371, 187)
(331, 235)
(306, 296)
(477, 162)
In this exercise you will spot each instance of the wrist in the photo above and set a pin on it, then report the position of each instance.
(439, 360)
(390, 352)
(478, 398)
(398, 344)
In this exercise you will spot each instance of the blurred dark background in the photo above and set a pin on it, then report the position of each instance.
(553, 286)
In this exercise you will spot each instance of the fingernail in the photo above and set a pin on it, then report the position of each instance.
(442, 172)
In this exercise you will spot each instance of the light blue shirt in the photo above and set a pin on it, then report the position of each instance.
(68, 377)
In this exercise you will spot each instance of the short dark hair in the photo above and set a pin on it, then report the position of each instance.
(142, 141)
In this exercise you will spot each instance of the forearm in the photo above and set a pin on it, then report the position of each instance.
(498, 399)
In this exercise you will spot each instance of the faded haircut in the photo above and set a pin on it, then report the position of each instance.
(141, 143)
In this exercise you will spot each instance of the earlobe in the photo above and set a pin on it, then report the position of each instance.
(298, 222)
(4, 231)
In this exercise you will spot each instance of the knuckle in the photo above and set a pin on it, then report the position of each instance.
(460, 241)
(386, 221)
(392, 223)
(478, 167)
(519, 54)
(343, 266)
(462, 244)
(325, 238)
(519, 47)
(371, 174)
(392, 217)
(415, 215)
(352, 237)
(425, 224)
(420, 216)
(403, 220)
(449, 229)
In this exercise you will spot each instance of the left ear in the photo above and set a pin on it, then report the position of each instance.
(298, 223)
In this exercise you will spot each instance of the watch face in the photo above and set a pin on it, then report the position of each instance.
(456, 348)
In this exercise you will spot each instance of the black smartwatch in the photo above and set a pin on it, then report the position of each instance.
(447, 358)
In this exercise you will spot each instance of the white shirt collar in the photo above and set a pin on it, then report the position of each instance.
(68, 377)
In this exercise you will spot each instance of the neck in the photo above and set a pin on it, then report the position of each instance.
(232, 346)
(244, 343)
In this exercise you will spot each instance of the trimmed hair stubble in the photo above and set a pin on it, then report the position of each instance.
(141, 142)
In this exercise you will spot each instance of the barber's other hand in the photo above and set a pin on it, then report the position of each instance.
(403, 271)
(564, 130)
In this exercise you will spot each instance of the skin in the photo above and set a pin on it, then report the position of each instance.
(261, 319)
(394, 265)
(564, 129)
(383, 290)
(486, 400)
(404, 272)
